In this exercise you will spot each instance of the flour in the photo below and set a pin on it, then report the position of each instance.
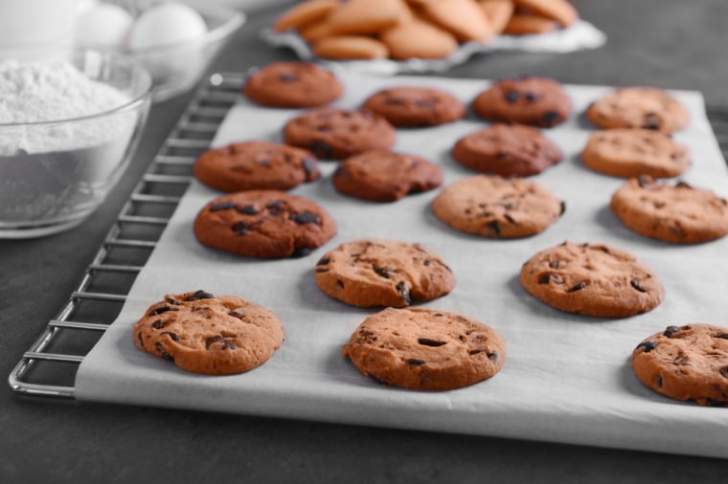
(53, 91)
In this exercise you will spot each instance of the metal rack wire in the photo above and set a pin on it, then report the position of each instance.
(49, 366)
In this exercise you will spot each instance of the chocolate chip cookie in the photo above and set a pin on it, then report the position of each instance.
(591, 279)
(337, 133)
(384, 176)
(507, 151)
(256, 165)
(635, 152)
(687, 362)
(264, 223)
(639, 107)
(213, 335)
(292, 85)
(368, 273)
(412, 106)
(676, 213)
(496, 207)
(536, 101)
(425, 349)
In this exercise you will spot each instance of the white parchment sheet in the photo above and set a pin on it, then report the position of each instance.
(566, 378)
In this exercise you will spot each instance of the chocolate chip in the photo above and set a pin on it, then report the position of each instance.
(544, 278)
(430, 342)
(646, 346)
(670, 331)
(493, 356)
(508, 217)
(340, 283)
(310, 168)
(323, 261)
(562, 209)
(173, 336)
(240, 228)
(578, 287)
(301, 252)
(158, 324)
(160, 310)
(237, 313)
(382, 271)
(714, 403)
(394, 101)
(221, 206)
(651, 121)
(721, 335)
(644, 181)
(550, 117)
(555, 264)
(200, 294)
(494, 227)
(511, 96)
(724, 372)
(682, 184)
(635, 283)
(658, 381)
(321, 149)
(276, 207)
(415, 362)
(247, 209)
(211, 340)
(228, 345)
(163, 353)
(287, 77)
(404, 292)
(306, 217)
(531, 97)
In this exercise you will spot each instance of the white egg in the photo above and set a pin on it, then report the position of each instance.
(103, 24)
(169, 23)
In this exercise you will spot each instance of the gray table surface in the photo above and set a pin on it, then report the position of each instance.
(671, 43)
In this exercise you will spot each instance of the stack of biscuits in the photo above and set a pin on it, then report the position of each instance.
(422, 29)
(430, 349)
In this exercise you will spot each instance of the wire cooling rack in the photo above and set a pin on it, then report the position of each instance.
(49, 366)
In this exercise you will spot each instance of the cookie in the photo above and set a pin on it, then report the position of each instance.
(212, 335)
(634, 152)
(412, 106)
(369, 273)
(337, 133)
(384, 176)
(497, 207)
(264, 223)
(672, 213)
(524, 24)
(591, 279)
(507, 151)
(350, 47)
(464, 18)
(316, 31)
(418, 40)
(304, 14)
(366, 17)
(639, 107)
(498, 12)
(536, 101)
(687, 362)
(425, 349)
(292, 85)
(256, 165)
(559, 10)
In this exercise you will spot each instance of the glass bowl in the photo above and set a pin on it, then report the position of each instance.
(53, 174)
(175, 68)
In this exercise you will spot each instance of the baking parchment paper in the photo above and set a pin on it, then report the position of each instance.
(566, 378)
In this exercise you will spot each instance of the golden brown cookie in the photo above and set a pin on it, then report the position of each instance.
(639, 107)
(687, 362)
(559, 10)
(464, 18)
(206, 334)
(497, 207)
(676, 213)
(591, 279)
(507, 151)
(425, 349)
(412, 106)
(304, 14)
(634, 152)
(364, 17)
(292, 85)
(350, 47)
(418, 39)
(536, 101)
(338, 133)
(264, 223)
(498, 12)
(524, 24)
(369, 273)
(384, 176)
(256, 165)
